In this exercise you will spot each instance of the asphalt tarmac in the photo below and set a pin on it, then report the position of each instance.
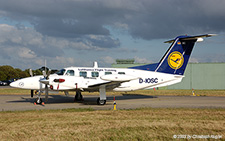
(25, 102)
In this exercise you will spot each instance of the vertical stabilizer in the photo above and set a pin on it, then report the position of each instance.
(176, 58)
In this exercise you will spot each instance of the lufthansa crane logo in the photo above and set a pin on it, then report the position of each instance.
(175, 60)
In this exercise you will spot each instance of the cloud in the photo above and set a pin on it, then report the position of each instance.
(26, 53)
(34, 30)
(108, 60)
(142, 60)
(27, 38)
(145, 19)
(22, 44)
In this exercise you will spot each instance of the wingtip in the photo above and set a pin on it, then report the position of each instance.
(170, 41)
(209, 35)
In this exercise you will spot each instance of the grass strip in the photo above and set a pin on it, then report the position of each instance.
(88, 124)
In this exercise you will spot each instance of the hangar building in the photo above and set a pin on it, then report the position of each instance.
(197, 75)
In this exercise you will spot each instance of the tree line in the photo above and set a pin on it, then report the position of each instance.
(8, 72)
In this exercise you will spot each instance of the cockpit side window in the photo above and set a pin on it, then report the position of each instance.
(70, 73)
(61, 72)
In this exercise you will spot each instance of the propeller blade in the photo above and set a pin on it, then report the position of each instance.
(44, 73)
(31, 72)
(46, 93)
(49, 72)
(58, 87)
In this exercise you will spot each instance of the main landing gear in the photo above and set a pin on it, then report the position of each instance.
(102, 99)
(101, 102)
(78, 96)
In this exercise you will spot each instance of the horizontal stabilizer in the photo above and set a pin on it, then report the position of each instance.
(118, 78)
(191, 37)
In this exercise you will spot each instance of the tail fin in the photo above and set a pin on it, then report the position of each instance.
(176, 58)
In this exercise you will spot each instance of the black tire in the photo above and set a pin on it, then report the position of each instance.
(78, 96)
(101, 102)
(38, 101)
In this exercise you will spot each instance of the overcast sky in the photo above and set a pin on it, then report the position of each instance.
(78, 32)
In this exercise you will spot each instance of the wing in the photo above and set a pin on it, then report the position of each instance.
(113, 81)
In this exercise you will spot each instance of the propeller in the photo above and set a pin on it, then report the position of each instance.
(46, 82)
(46, 85)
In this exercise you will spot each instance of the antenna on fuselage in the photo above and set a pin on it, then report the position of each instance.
(95, 64)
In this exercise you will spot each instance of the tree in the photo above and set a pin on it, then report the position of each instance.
(8, 72)
(2, 76)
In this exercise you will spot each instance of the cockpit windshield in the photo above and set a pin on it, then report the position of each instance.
(61, 72)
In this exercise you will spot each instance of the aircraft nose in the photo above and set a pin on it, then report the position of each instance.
(17, 84)
(13, 84)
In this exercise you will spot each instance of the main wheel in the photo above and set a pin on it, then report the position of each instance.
(78, 96)
(101, 102)
(38, 101)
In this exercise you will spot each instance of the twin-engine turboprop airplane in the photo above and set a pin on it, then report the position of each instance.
(168, 71)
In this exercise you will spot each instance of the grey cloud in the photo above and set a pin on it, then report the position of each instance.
(147, 19)
(61, 18)
(59, 28)
(26, 44)
(56, 25)
(163, 19)
(12, 37)
(104, 42)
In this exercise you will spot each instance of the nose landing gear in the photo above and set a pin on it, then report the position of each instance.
(38, 100)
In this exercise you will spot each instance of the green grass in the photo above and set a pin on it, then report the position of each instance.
(87, 124)
(13, 91)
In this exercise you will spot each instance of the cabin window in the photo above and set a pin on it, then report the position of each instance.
(61, 72)
(70, 73)
(108, 73)
(94, 74)
(121, 72)
(83, 74)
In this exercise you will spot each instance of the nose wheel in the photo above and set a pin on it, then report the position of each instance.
(38, 100)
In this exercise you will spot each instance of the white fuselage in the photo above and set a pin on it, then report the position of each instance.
(87, 79)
